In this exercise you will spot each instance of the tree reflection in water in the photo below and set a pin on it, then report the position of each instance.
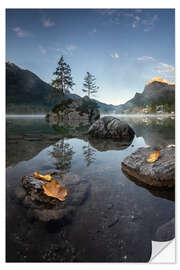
(89, 154)
(63, 154)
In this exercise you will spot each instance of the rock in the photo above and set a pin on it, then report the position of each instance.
(161, 173)
(113, 144)
(111, 127)
(45, 208)
(113, 222)
(20, 193)
(81, 111)
(93, 115)
(166, 232)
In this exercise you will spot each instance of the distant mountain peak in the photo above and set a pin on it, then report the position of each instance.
(159, 80)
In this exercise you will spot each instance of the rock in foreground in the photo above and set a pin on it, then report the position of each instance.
(111, 127)
(160, 173)
(45, 208)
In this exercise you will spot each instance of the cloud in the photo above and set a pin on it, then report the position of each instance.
(149, 23)
(166, 70)
(21, 33)
(94, 30)
(145, 58)
(131, 17)
(137, 18)
(43, 50)
(119, 16)
(68, 50)
(134, 25)
(115, 55)
(71, 47)
(47, 22)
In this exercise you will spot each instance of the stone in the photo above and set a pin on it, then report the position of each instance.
(73, 112)
(45, 208)
(160, 173)
(166, 232)
(111, 127)
(20, 193)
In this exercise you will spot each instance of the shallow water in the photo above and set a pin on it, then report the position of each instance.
(119, 218)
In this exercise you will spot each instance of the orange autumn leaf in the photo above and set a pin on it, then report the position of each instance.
(46, 177)
(153, 157)
(54, 190)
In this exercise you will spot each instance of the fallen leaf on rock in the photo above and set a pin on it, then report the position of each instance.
(54, 190)
(46, 177)
(153, 157)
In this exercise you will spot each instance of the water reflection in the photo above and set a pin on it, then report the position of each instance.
(165, 193)
(63, 153)
(155, 131)
(119, 214)
(89, 154)
(103, 145)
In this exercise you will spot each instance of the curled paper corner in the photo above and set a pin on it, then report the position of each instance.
(163, 252)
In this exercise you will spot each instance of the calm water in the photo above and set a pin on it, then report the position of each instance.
(119, 218)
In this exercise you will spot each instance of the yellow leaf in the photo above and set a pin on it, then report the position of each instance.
(153, 157)
(46, 177)
(54, 190)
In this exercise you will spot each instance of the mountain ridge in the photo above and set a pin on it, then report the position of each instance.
(27, 93)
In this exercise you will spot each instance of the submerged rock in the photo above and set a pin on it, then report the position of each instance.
(166, 232)
(111, 127)
(45, 208)
(160, 173)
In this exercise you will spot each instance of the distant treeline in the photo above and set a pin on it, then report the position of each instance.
(26, 109)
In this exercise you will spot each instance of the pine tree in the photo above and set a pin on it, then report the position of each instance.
(90, 84)
(63, 81)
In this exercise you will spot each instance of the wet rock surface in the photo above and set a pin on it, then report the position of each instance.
(45, 208)
(160, 173)
(111, 127)
(166, 232)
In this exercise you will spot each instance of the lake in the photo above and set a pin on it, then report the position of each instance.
(117, 221)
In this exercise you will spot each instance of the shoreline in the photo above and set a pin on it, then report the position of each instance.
(113, 114)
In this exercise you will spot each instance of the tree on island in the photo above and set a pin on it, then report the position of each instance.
(63, 82)
(90, 84)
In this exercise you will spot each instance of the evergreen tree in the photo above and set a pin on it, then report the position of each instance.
(90, 84)
(63, 81)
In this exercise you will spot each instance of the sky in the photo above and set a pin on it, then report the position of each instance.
(123, 48)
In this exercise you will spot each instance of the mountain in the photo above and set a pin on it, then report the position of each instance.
(27, 93)
(24, 90)
(156, 92)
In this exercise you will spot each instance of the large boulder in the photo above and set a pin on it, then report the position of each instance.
(160, 173)
(44, 208)
(111, 127)
(81, 111)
